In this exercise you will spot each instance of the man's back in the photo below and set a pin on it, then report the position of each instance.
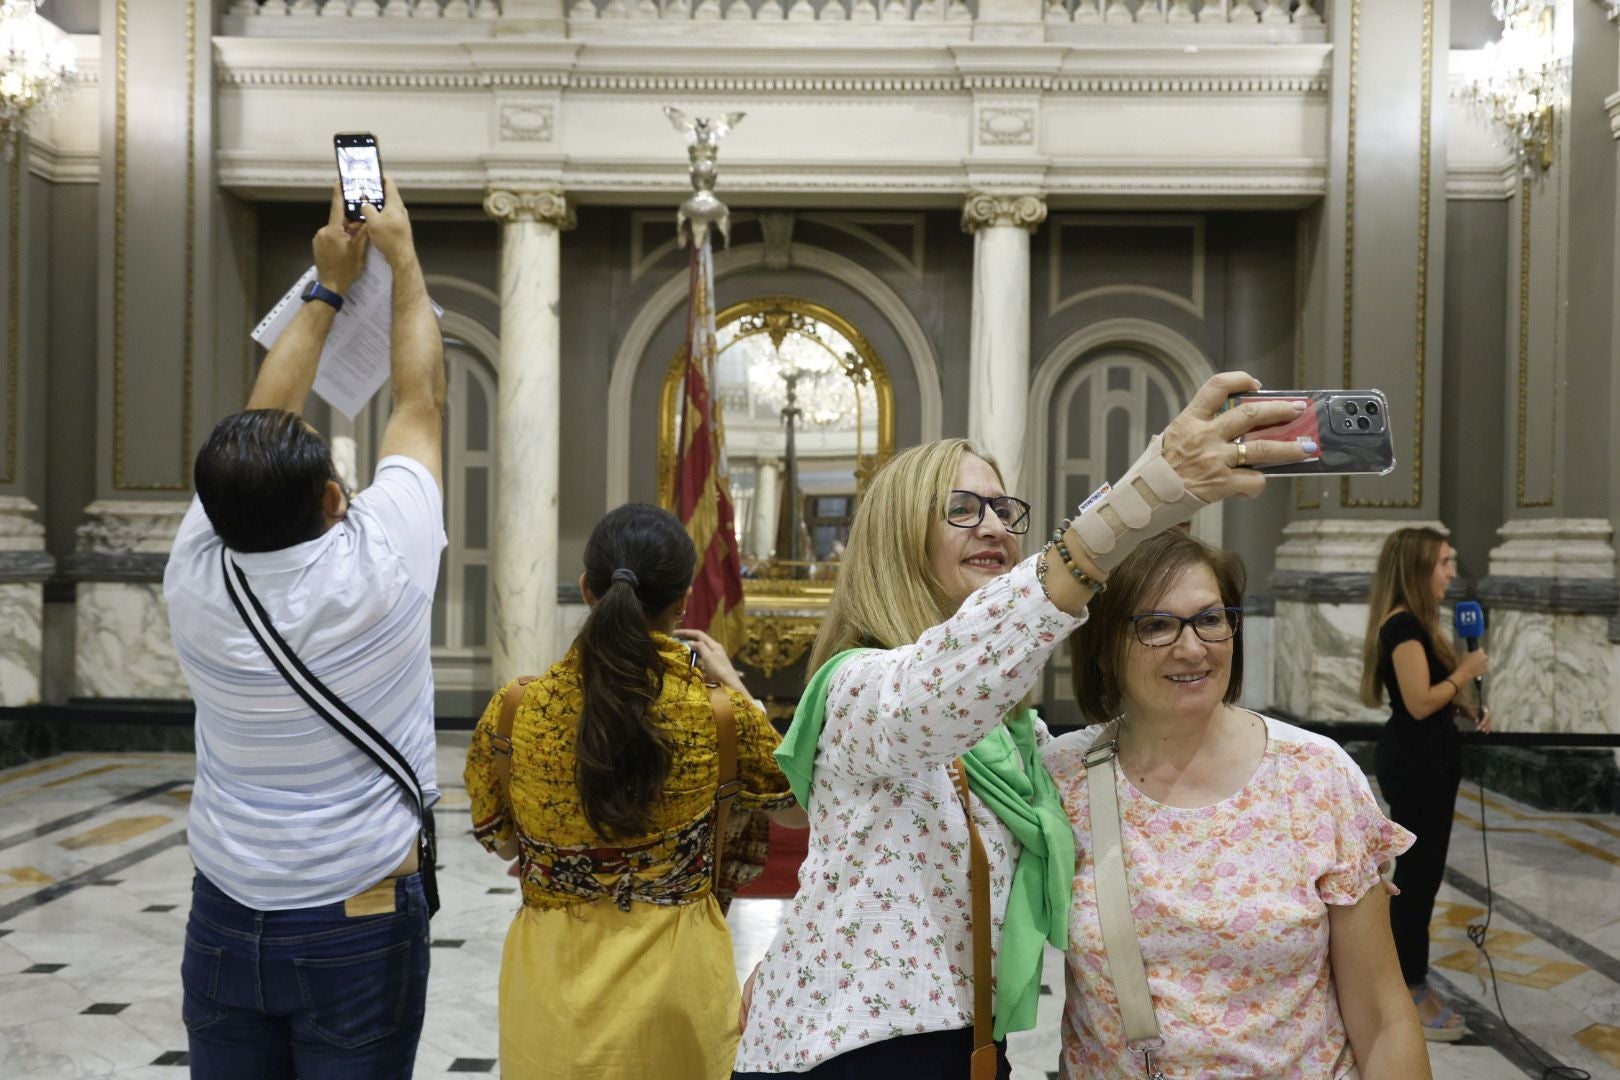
(286, 813)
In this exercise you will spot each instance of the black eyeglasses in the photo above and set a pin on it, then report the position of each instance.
(1156, 629)
(965, 510)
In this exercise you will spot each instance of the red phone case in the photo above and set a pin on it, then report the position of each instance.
(1303, 426)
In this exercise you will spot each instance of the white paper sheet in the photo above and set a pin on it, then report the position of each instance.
(354, 364)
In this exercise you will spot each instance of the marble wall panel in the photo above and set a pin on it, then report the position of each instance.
(123, 643)
(1519, 689)
(1583, 693)
(1291, 674)
(1259, 651)
(21, 637)
(1334, 643)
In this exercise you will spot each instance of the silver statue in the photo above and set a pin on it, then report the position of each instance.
(702, 209)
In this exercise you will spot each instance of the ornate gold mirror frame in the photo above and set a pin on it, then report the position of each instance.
(785, 600)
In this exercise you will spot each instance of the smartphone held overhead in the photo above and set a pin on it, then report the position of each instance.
(359, 166)
(1351, 430)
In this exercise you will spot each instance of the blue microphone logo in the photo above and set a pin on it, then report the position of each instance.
(1470, 620)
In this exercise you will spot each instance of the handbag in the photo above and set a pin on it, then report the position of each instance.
(725, 792)
(982, 1066)
(348, 723)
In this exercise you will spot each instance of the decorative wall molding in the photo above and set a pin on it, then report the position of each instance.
(1192, 302)
(1006, 126)
(526, 122)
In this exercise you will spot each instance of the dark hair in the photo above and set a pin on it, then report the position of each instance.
(1098, 649)
(621, 759)
(261, 477)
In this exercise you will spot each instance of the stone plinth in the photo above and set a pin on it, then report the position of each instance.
(121, 642)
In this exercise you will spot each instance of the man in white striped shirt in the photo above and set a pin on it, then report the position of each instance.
(307, 946)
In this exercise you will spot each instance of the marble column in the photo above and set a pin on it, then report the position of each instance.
(998, 390)
(529, 403)
(767, 495)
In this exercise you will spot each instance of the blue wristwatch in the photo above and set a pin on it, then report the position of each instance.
(316, 291)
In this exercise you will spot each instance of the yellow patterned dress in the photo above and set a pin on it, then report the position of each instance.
(618, 966)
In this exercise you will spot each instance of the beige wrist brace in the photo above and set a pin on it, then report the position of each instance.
(1149, 498)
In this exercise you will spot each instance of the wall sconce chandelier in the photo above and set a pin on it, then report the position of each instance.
(1522, 78)
(36, 59)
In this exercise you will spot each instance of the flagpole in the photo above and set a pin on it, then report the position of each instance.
(703, 498)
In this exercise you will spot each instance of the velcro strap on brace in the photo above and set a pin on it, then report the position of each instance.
(1150, 498)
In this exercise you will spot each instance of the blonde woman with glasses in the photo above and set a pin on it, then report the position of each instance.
(937, 629)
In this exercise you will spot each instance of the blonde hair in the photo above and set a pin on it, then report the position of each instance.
(1404, 578)
(887, 595)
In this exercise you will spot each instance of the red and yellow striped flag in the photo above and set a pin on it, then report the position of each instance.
(702, 479)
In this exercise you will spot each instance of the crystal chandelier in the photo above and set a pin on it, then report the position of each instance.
(802, 369)
(1522, 78)
(35, 60)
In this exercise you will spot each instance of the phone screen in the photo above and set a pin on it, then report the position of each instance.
(360, 169)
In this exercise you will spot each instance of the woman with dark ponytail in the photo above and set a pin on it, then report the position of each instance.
(619, 963)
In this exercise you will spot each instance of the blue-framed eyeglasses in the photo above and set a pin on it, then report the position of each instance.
(1156, 629)
(965, 509)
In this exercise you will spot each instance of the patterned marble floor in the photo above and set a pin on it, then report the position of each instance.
(94, 882)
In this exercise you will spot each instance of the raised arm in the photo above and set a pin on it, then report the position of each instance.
(415, 428)
(289, 371)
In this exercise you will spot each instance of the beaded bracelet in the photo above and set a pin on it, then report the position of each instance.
(1068, 560)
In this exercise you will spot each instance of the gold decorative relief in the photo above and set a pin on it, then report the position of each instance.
(777, 642)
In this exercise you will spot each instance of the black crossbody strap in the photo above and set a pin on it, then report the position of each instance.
(326, 704)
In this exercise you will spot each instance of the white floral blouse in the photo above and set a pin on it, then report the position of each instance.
(878, 941)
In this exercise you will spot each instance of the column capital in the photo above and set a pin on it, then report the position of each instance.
(548, 206)
(987, 210)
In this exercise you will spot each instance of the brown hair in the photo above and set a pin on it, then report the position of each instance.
(1404, 578)
(1098, 650)
(886, 595)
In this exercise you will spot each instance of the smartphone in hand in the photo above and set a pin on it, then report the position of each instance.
(1350, 428)
(359, 170)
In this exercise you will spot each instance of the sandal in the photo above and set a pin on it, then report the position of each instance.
(1447, 1026)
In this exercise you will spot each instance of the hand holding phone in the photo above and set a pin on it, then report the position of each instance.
(1350, 429)
(359, 172)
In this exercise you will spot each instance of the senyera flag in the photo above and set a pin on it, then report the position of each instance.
(702, 480)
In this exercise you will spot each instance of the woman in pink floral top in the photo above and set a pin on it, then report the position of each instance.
(1253, 853)
(937, 631)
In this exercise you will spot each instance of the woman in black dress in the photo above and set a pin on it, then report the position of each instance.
(1419, 752)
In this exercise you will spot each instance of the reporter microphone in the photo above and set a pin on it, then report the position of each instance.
(1469, 620)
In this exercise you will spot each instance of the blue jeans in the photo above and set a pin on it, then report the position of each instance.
(312, 993)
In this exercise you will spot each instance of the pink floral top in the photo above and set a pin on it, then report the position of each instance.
(1230, 902)
(877, 943)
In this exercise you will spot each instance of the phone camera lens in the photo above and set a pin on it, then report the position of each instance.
(1372, 408)
(1363, 423)
(1350, 408)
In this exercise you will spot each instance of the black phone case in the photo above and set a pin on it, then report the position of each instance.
(1352, 433)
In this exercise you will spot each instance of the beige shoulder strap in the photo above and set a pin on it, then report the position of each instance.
(725, 740)
(1120, 943)
(501, 741)
(983, 1065)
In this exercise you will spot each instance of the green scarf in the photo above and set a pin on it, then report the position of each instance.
(1027, 802)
